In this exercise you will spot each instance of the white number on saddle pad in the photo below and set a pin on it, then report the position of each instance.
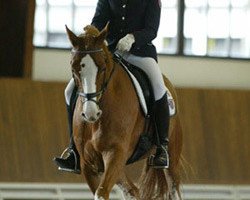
(171, 103)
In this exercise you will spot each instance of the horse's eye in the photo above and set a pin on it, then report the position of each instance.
(82, 65)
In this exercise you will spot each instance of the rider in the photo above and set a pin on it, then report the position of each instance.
(132, 27)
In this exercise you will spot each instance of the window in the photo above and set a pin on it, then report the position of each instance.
(217, 28)
(210, 27)
(166, 40)
(51, 16)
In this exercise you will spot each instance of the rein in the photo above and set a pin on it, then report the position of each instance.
(91, 96)
(98, 94)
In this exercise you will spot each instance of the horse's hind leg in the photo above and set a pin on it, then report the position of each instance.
(129, 190)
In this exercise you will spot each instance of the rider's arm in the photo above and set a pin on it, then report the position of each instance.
(102, 14)
(152, 21)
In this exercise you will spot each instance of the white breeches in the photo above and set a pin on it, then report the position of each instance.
(152, 69)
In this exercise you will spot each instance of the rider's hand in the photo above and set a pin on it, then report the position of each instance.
(126, 42)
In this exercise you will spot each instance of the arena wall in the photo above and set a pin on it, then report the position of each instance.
(33, 129)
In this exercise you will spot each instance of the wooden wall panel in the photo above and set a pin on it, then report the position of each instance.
(33, 129)
(216, 126)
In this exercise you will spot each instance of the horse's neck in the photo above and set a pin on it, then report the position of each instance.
(120, 79)
(120, 91)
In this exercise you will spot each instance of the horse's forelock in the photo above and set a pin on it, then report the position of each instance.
(88, 38)
(91, 31)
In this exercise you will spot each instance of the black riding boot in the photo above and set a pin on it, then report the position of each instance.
(70, 159)
(162, 117)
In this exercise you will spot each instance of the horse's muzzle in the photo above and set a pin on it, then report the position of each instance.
(92, 118)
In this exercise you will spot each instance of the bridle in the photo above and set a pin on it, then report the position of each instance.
(90, 96)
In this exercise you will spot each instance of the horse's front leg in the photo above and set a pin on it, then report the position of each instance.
(92, 166)
(92, 178)
(114, 161)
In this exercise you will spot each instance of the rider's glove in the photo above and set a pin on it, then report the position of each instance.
(126, 42)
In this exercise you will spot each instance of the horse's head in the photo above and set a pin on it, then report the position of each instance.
(88, 64)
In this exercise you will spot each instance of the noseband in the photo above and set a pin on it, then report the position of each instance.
(98, 94)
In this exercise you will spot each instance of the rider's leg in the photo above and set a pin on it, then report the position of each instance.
(162, 116)
(71, 162)
(162, 119)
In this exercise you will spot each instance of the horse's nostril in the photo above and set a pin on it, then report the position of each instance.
(83, 115)
(99, 113)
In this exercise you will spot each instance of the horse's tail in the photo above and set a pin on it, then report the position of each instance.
(155, 184)
(175, 150)
(161, 183)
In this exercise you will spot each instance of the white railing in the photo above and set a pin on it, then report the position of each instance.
(43, 191)
(216, 192)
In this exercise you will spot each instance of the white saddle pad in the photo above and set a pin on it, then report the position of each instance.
(140, 95)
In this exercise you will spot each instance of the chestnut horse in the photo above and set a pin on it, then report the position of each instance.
(108, 121)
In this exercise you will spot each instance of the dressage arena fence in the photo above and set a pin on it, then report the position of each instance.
(43, 191)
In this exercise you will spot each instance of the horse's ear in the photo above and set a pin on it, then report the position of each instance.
(72, 37)
(102, 35)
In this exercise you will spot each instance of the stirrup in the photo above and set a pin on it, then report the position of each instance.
(151, 163)
(68, 151)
